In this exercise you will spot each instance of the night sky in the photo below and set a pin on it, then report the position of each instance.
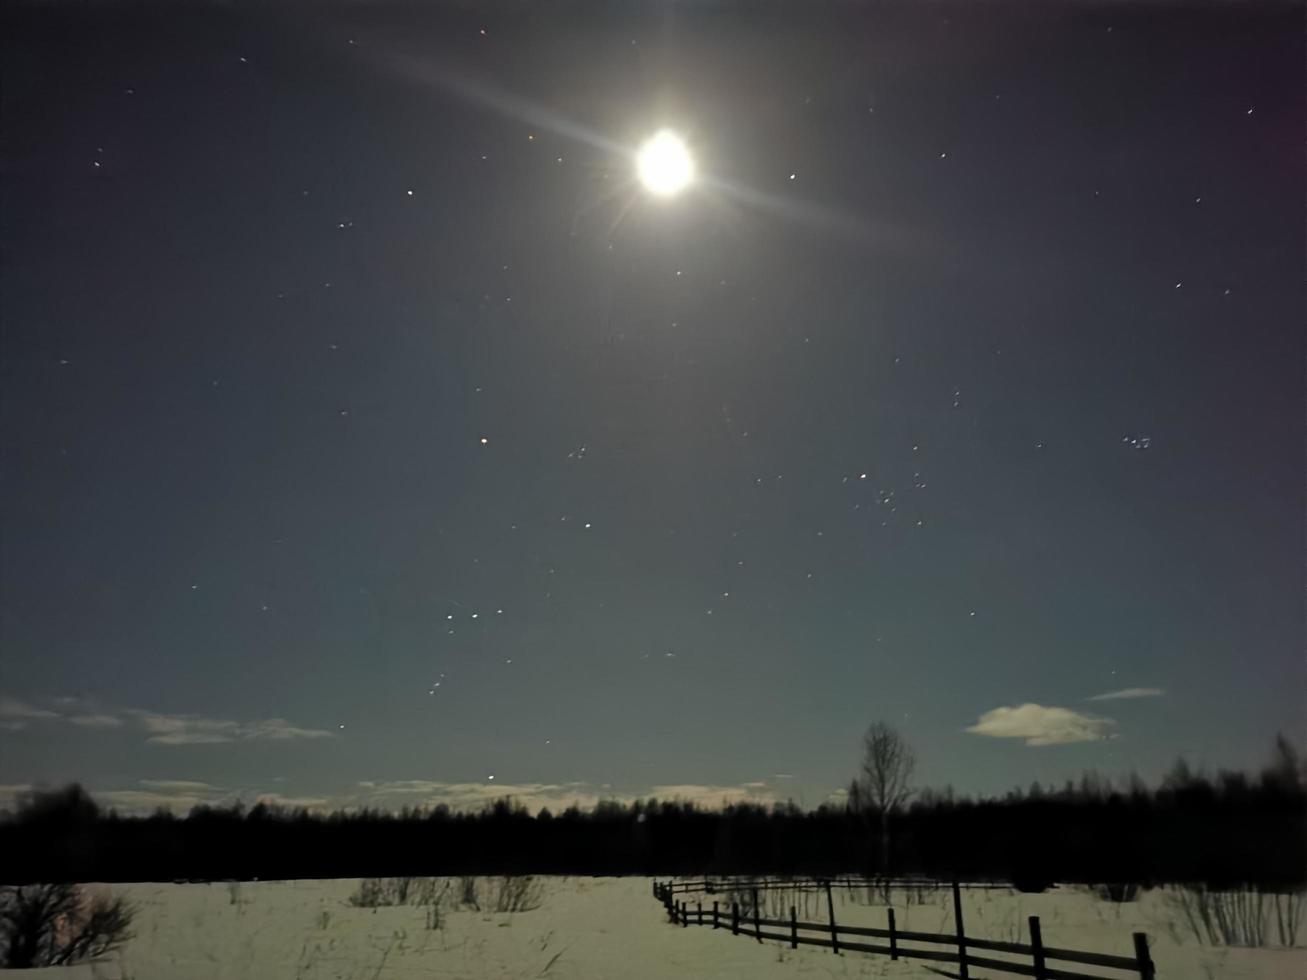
(371, 436)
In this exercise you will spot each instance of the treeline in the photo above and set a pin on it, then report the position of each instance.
(1223, 830)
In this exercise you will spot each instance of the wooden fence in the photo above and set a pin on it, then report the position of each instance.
(831, 935)
(711, 886)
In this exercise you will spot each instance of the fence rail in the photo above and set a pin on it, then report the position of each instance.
(1140, 964)
(712, 886)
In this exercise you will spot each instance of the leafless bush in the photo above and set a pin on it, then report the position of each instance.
(1288, 916)
(922, 894)
(741, 893)
(518, 893)
(1126, 891)
(1232, 918)
(56, 925)
(382, 892)
(777, 902)
(467, 892)
(371, 893)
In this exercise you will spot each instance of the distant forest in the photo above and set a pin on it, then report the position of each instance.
(1229, 829)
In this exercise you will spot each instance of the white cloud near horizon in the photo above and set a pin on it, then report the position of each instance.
(1128, 693)
(713, 795)
(180, 785)
(1041, 725)
(160, 728)
(166, 729)
(533, 796)
(177, 795)
(182, 795)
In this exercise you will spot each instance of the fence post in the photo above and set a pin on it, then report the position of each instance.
(757, 926)
(699, 906)
(830, 909)
(685, 915)
(1037, 947)
(735, 918)
(715, 923)
(962, 936)
(1144, 961)
(794, 929)
(893, 937)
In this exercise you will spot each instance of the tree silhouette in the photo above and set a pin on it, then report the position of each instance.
(882, 783)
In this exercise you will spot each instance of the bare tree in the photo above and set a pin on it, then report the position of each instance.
(1286, 771)
(55, 925)
(882, 783)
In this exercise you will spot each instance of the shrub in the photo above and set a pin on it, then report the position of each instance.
(1228, 918)
(1288, 916)
(518, 893)
(57, 925)
(1118, 891)
(467, 892)
(384, 892)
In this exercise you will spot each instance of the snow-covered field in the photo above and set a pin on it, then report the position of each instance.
(602, 929)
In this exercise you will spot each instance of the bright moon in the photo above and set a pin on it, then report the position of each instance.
(664, 165)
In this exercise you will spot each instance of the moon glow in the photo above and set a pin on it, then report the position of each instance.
(664, 165)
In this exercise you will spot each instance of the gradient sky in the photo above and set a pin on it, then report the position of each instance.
(342, 357)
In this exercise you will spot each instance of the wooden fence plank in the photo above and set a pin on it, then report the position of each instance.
(1092, 959)
(1037, 948)
(962, 936)
(1144, 961)
(830, 908)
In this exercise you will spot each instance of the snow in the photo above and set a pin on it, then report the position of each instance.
(605, 929)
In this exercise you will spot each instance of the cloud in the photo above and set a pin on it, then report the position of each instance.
(1128, 693)
(145, 796)
(180, 785)
(147, 800)
(10, 792)
(194, 730)
(711, 796)
(96, 721)
(182, 795)
(1040, 725)
(18, 714)
(160, 728)
(295, 802)
(469, 796)
(533, 796)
